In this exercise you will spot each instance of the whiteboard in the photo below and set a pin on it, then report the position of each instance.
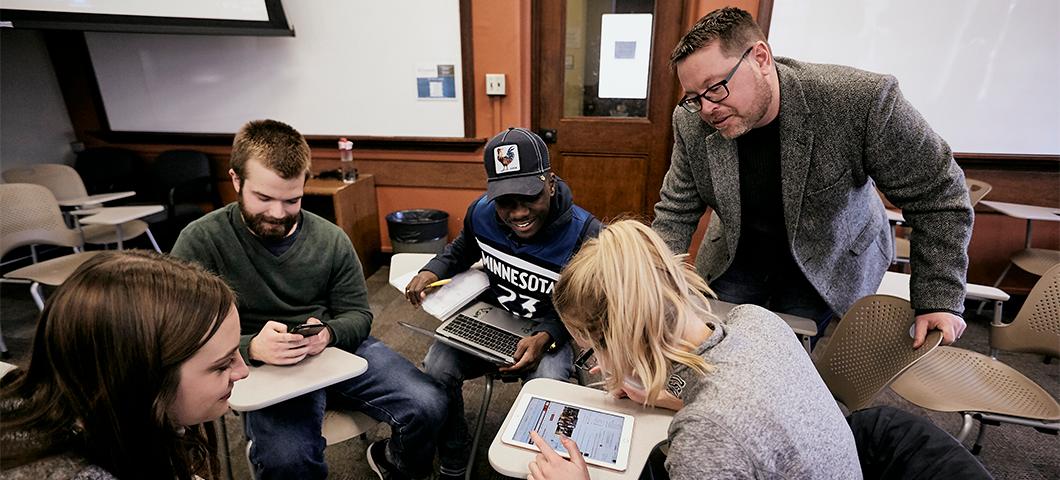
(984, 73)
(351, 69)
(247, 10)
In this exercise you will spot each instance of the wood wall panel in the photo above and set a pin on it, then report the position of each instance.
(997, 237)
(411, 168)
(606, 186)
(1040, 186)
(412, 173)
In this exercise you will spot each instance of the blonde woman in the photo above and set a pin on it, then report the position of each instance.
(749, 401)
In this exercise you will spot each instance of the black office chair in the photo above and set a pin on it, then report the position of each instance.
(894, 444)
(112, 169)
(183, 182)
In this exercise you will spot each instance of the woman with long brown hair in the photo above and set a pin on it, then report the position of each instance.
(132, 353)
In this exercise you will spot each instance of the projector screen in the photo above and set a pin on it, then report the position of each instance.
(238, 17)
(356, 68)
(983, 72)
(226, 10)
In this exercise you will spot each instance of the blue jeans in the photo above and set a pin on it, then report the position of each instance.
(286, 436)
(451, 367)
(782, 288)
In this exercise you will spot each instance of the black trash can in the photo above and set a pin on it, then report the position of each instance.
(418, 231)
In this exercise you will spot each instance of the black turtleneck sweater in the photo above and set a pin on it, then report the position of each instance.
(763, 236)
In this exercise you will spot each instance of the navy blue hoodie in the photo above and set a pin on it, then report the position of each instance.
(522, 273)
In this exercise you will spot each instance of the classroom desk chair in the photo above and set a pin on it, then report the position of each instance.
(983, 389)
(870, 348)
(109, 226)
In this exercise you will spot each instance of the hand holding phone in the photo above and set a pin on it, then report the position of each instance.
(316, 332)
(275, 345)
(307, 329)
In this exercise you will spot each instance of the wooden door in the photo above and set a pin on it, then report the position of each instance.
(609, 134)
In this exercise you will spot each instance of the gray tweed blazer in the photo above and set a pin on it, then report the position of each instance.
(843, 133)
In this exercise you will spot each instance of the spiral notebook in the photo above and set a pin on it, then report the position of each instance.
(446, 301)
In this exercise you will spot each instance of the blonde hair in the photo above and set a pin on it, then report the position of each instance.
(628, 296)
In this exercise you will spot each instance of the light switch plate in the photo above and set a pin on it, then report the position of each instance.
(495, 84)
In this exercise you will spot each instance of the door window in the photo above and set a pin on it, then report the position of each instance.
(607, 57)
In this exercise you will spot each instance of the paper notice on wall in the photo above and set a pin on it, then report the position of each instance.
(625, 48)
(436, 82)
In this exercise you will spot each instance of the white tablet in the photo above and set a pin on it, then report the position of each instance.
(603, 437)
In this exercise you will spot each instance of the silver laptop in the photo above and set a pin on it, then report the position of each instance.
(483, 330)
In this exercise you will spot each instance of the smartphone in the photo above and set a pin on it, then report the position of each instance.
(307, 329)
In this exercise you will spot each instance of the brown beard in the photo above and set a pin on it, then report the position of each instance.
(763, 97)
(266, 227)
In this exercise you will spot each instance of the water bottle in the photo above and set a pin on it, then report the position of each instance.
(349, 174)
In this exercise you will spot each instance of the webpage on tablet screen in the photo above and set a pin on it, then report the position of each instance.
(598, 434)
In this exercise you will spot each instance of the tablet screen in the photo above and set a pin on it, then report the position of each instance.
(598, 434)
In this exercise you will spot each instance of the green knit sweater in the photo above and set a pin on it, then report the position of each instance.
(319, 276)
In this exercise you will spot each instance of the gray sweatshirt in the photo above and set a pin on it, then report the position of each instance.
(763, 413)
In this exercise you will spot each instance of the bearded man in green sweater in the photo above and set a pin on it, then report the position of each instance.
(288, 267)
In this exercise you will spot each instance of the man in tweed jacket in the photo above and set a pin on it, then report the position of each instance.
(788, 155)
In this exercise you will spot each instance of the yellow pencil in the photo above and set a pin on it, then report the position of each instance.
(440, 283)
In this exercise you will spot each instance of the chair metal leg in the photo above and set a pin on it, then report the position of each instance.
(998, 282)
(38, 298)
(246, 452)
(894, 243)
(966, 427)
(979, 311)
(1003, 273)
(3, 347)
(151, 237)
(250, 465)
(978, 445)
(487, 393)
(33, 252)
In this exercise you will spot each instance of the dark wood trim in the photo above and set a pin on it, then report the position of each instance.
(1015, 162)
(765, 15)
(536, 9)
(448, 144)
(467, 59)
(69, 55)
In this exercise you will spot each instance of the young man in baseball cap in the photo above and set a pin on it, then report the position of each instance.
(524, 229)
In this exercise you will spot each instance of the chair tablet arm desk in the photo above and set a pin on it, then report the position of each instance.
(650, 427)
(268, 385)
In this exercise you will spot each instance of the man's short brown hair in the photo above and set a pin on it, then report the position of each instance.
(277, 145)
(734, 28)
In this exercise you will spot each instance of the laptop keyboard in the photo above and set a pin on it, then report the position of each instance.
(483, 334)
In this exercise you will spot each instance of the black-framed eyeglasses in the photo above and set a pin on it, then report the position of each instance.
(714, 93)
(586, 361)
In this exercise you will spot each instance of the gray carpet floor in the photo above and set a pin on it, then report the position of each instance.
(1010, 452)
